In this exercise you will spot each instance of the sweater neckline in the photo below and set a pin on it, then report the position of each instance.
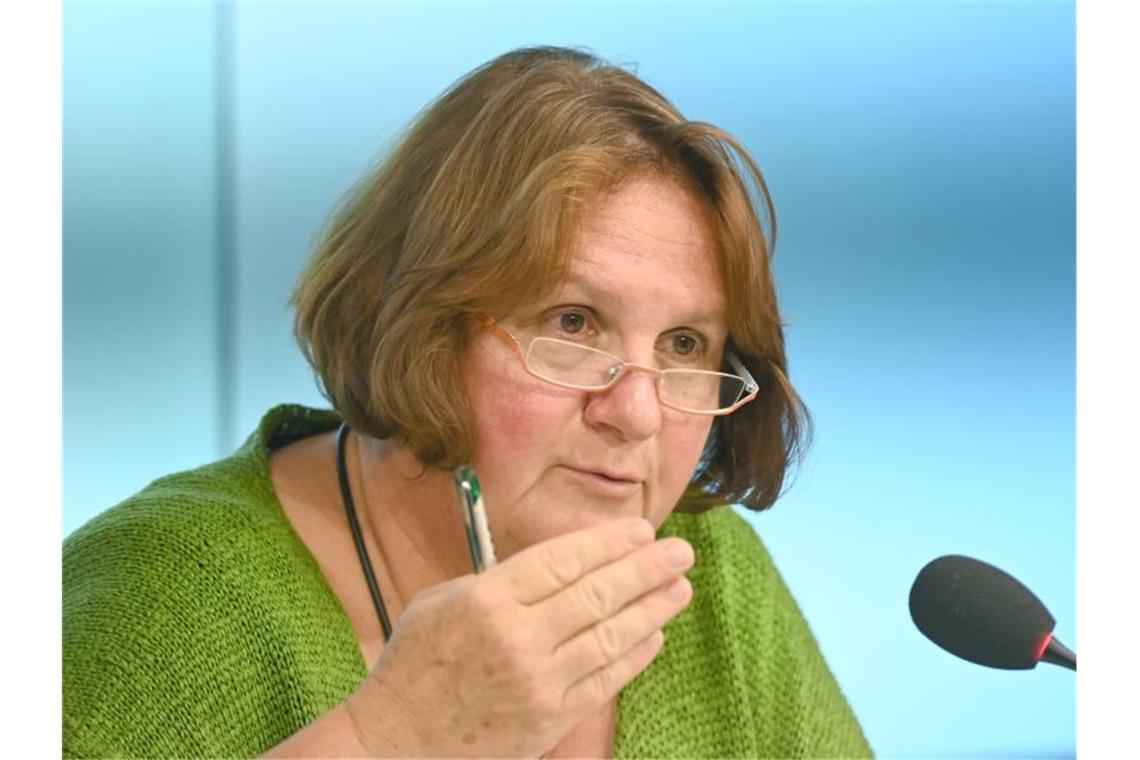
(280, 426)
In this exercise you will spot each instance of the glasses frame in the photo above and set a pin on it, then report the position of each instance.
(751, 387)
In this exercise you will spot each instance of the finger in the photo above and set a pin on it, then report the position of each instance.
(608, 642)
(602, 593)
(603, 685)
(546, 568)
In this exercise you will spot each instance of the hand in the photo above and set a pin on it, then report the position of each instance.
(506, 663)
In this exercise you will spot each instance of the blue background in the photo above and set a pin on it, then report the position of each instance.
(922, 161)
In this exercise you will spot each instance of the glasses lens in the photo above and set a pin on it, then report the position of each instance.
(704, 391)
(564, 362)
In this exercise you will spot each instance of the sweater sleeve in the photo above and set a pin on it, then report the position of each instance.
(189, 630)
(798, 705)
(741, 674)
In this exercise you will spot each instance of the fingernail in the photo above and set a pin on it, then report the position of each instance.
(641, 532)
(679, 554)
(654, 642)
(678, 591)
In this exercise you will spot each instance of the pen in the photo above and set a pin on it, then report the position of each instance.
(474, 518)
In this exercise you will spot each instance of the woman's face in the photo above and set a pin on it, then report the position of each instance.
(643, 285)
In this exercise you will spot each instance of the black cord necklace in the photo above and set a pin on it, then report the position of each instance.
(357, 537)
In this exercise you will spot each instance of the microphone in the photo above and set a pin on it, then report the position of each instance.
(984, 615)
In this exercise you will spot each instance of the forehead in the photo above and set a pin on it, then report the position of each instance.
(648, 244)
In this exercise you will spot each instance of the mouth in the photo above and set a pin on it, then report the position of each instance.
(603, 482)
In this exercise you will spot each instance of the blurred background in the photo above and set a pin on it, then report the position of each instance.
(922, 161)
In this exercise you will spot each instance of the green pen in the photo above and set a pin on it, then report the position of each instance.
(474, 518)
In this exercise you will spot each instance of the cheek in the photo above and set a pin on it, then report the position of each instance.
(682, 441)
(508, 427)
(517, 423)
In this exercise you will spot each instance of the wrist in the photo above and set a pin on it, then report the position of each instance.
(376, 717)
(336, 733)
(366, 746)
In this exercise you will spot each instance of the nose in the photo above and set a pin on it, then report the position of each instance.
(629, 408)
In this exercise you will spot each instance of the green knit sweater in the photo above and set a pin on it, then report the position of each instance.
(196, 623)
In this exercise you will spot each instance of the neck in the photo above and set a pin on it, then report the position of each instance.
(412, 516)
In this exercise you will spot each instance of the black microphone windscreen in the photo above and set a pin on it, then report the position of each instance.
(980, 613)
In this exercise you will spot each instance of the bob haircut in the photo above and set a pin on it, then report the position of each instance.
(475, 211)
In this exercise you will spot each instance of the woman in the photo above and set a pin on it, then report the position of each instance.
(556, 279)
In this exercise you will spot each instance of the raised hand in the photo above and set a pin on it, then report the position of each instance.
(508, 662)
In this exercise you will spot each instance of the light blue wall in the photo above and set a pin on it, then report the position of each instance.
(139, 277)
(921, 156)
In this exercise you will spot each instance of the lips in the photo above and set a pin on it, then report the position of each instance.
(601, 472)
(603, 483)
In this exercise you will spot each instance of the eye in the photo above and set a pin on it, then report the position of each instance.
(572, 321)
(684, 345)
(685, 348)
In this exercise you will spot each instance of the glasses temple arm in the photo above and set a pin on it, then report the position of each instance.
(501, 333)
(749, 382)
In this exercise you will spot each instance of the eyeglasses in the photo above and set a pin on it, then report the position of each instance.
(573, 365)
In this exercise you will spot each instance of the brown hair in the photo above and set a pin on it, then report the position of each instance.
(475, 210)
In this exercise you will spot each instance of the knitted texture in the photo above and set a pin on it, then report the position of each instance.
(197, 624)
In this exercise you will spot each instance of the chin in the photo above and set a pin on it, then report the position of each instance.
(551, 516)
(567, 518)
(566, 501)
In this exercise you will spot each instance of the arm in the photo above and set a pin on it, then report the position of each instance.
(177, 647)
(334, 734)
(511, 660)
